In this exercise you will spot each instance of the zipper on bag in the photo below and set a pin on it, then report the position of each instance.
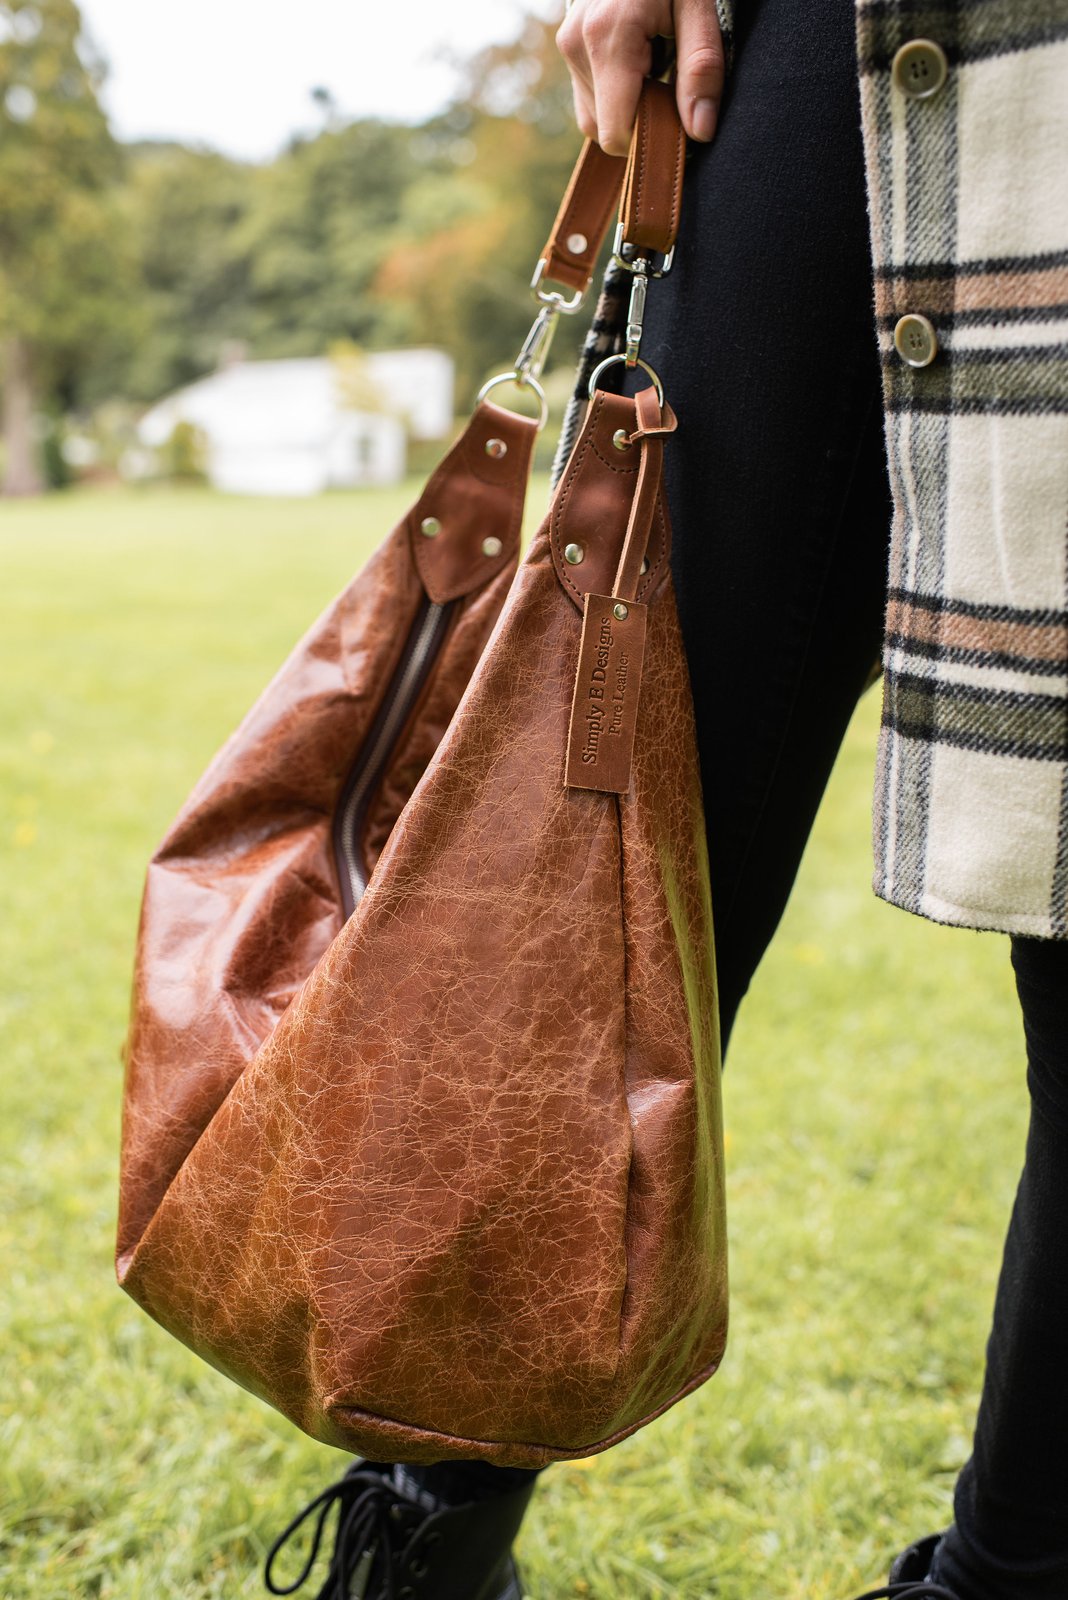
(417, 659)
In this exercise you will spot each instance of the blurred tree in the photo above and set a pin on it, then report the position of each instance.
(279, 257)
(186, 210)
(507, 145)
(314, 234)
(354, 382)
(62, 267)
(375, 233)
(323, 98)
(183, 458)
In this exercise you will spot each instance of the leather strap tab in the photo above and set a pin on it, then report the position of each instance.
(651, 182)
(592, 504)
(604, 702)
(466, 524)
(585, 213)
(608, 675)
(666, 421)
(651, 433)
(652, 191)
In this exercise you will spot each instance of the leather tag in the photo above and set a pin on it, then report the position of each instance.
(604, 707)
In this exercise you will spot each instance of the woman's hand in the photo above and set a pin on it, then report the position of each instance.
(606, 44)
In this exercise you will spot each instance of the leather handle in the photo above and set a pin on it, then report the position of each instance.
(652, 427)
(652, 191)
(649, 179)
(586, 211)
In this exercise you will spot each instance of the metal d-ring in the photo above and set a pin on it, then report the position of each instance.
(610, 361)
(521, 382)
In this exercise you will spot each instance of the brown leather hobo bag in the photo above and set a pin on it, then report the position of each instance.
(421, 1136)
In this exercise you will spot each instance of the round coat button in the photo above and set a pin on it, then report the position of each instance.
(919, 68)
(915, 340)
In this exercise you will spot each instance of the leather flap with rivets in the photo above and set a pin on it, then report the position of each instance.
(466, 524)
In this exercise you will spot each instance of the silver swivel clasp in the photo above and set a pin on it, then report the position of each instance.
(642, 272)
(531, 359)
(639, 288)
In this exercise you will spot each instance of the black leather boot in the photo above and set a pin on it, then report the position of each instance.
(396, 1541)
(915, 1564)
(910, 1575)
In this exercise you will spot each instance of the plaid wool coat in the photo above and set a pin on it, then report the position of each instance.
(967, 179)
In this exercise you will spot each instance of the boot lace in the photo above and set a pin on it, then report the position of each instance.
(921, 1589)
(364, 1500)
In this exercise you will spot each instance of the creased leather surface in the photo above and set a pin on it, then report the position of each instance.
(242, 898)
(592, 504)
(463, 1197)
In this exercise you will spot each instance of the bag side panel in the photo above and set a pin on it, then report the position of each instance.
(242, 899)
(675, 1311)
(424, 1170)
(441, 1213)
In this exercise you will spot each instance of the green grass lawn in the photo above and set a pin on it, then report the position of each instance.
(875, 1105)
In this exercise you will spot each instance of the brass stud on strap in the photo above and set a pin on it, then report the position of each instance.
(496, 448)
(645, 564)
(620, 611)
(577, 243)
(621, 439)
(573, 553)
(430, 527)
(492, 546)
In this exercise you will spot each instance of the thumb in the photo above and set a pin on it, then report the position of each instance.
(699, 70)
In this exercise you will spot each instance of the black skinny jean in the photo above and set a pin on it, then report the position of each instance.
(777, 481)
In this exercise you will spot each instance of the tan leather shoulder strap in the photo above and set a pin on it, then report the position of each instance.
(650, 180)
(652, 193)
(587, 208)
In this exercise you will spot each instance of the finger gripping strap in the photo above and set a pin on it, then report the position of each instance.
(650, 180)
(652, 191)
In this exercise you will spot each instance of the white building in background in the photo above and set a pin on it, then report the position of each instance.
(290, 428)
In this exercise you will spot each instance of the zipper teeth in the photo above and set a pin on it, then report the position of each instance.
(398, 710)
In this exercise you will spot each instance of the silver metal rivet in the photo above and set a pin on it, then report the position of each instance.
(620, 611)
(492, 546)
(577, 243)
(496, 448)
(645, 563)
(573, 553)
(621, 439)
(431, 527)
